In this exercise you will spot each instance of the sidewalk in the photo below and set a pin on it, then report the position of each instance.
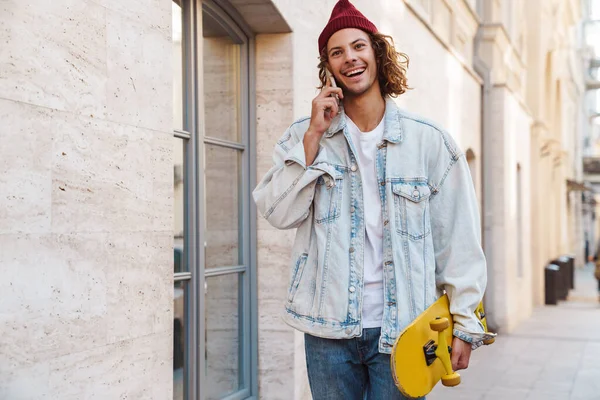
(555, 355)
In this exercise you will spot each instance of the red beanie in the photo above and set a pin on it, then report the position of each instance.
(344, 15)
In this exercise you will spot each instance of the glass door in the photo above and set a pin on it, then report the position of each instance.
(226, 196)
(212, 356)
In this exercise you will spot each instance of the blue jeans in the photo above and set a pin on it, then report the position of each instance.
(350, 369)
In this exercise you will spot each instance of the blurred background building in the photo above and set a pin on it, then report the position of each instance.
(133, 262)
(590, 31)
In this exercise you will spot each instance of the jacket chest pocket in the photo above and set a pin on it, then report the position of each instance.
(411, 206)
(328, 198)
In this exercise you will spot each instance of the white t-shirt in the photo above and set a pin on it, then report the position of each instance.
(366, 148)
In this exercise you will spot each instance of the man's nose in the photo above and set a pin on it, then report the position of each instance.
(350, 56)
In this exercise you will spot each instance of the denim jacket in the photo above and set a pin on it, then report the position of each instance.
(431, 235)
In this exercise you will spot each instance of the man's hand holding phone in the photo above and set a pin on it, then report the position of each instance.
(324, 108)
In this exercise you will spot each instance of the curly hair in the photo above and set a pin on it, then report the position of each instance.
(391, 66)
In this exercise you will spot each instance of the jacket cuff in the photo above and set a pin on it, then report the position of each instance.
(475, 339)
(296, 155)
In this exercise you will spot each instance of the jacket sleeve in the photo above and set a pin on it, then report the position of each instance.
(285, 194)
(460, 262)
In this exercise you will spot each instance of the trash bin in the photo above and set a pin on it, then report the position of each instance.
(563, 277)
(551, 283)
(567, 271)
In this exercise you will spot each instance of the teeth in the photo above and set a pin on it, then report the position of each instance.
(354, 72)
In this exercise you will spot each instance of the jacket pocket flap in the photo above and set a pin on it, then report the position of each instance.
(413, 191)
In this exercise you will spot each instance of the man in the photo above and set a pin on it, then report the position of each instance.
(386, 217)
(596, 259)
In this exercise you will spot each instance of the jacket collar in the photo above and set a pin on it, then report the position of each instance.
(338, 124)
(393, 124)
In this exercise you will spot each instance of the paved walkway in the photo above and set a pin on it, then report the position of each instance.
(555, 355)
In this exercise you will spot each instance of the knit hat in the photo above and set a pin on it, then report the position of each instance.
(344, 15)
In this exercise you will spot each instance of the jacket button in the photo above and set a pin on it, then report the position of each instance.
(352, 289)
(353, 168)
(382, 183)
(387, 221)
(352, 209)
(351, 249)
(348, 331)
(416, 193)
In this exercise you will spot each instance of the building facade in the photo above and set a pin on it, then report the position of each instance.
(133, 262)
(591, 147)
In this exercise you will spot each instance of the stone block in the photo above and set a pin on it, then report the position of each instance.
(139, 295)
(140, 75)
(154, 14)
(54, 296)
(82, 291)
(104, 177)
(276, 365)
(135, 369)
(25, 167)
(61, 64)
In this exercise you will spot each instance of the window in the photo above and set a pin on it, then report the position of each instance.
(423, 8)
(472, 4)
(425, 5)
(508, 18)
(212, 345)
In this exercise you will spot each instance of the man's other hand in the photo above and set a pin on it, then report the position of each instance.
(461, 353)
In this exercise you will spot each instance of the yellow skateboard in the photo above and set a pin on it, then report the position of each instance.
(480, 313)
(421, 354)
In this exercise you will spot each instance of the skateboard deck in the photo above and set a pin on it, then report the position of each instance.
(420, 352)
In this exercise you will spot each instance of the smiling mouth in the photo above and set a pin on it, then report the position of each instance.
(354, 72)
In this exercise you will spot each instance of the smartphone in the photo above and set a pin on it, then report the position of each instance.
(329, 76)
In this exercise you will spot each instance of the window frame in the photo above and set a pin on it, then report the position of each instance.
(193, 135)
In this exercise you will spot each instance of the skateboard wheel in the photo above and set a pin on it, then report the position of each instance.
(451, 380)
(489, 341)
(439, 324)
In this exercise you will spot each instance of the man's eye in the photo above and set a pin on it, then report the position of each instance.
(336, 53)
(358, 46)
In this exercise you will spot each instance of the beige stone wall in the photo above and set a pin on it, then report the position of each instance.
(86, 180)
(274, 98)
